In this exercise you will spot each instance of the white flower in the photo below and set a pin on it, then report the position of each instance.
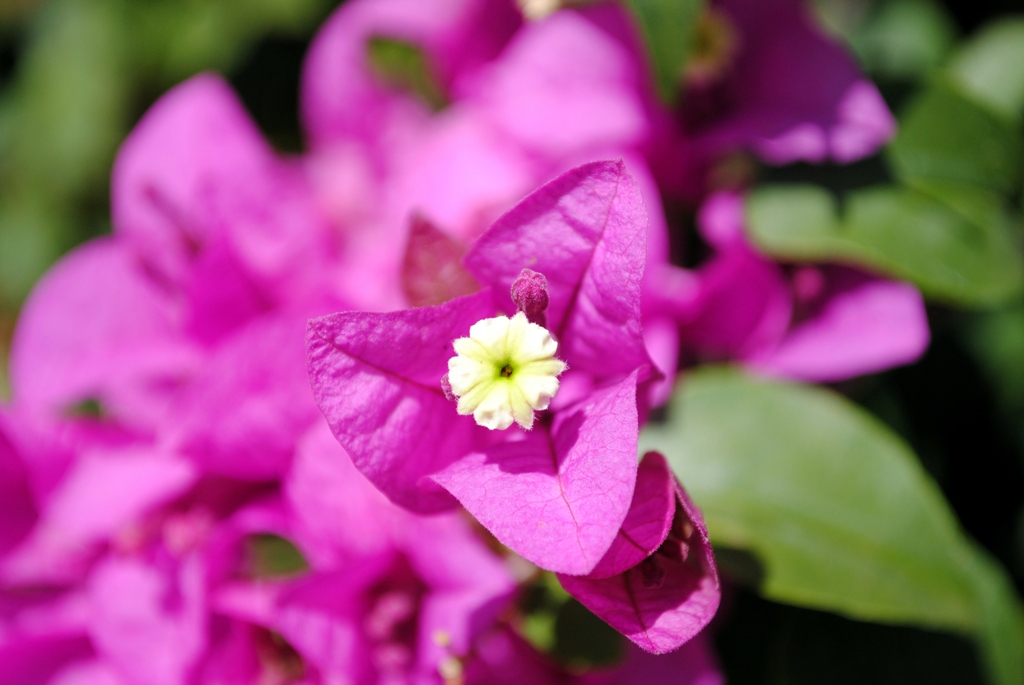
(504, 371)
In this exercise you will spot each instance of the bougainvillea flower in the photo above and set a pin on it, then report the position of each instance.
(502, 657)
(19, 510)
(187, 324)
(106, 596)
(658, 583)
(388, 594)
(325, 494)
(506, 128)
(379, 151)
(556, 494)
(42, 633)
(344, 99)
(568, 85)
(215, 215)
(775, 82)
(817, 323)
(214, 212)
(136, 629)
(846, 323)
(97, 327)
(254, 383)
(105, 491)
(131, 351)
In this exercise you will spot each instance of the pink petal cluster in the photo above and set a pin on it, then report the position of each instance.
(812, 322)
(524, 98)
(132, 554)
(163, 448)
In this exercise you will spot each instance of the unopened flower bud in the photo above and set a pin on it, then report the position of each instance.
(530, 293)
(504, 371)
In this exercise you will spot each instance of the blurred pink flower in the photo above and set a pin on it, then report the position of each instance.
(187, 323)
(810, 322)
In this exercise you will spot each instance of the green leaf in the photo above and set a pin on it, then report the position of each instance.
(670, 31)
(540, 603)
(953, 241)
(905, 39)
(946, 135)
(175, 39)
(991, 67)
(404, 65)
(272, 556)
(1001, 634)
(836, 507)
(33, 234)
(69, 101)
(797, 222)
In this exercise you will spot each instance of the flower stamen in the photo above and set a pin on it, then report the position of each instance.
(504, 371)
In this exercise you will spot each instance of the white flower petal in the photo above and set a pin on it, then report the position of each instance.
(504, 371)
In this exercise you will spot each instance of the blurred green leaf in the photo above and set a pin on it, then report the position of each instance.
(997, 338)
(905, 39)
(540, 603)
(797, 222)
(33, 235)
(670, 31)
(175, 39)
(1001, 633)
(62, 118)
(837, 507)
(90, 407)
(404, 65)
(990, 66)
(946, 135)
(538, 629)
(951, 240)
(7, 319)
(272, 556)
(68, 105)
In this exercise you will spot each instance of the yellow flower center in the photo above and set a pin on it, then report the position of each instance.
(504, 371)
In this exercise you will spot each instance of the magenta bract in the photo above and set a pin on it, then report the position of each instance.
(817, 323)
(669, 591)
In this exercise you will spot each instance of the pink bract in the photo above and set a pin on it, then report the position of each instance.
(658, 583)
(556, 495)
(817, 323)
